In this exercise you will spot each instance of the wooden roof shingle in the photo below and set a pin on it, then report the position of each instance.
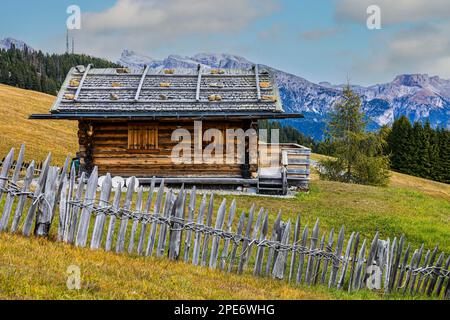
(89, 90)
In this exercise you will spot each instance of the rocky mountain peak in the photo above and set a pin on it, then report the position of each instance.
(412, 80)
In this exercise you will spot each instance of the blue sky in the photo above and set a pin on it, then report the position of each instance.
(325, 40)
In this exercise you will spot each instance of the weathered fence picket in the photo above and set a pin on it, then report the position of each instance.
(120, 242)
(153, 229)
(6, 165)
(88, 204)
(191, 211)
(260, 250)
(62, 209)
(403, 267)
(357, 283)
(38, 192)
(134, 226)
(148, 203)
(245, 243)
(4, 220)
(337, 254)
(354, 258)
(312, 248)
(67, 211)
(429, 265)
(59, 185)
(45, 210)
(239, 231)
(226, 245)
(167, 211)
(371, 257)
(198, 235)
(270, 255)
(409, 271)
(294, 244)
(23, 197)
(208, 226)
(182, 232)
(76, 208)
(112, 218)
(395, 266)
(328, 251)
(434, 277)
(254, 235)
(100, 220)
(345, 262)
(216, 238)
(441, 279)
(415, 265)
(280, 262)
(302, 255)
(315, 275)
(176, 228)
(421, 276)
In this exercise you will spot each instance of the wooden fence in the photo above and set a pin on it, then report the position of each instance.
(169, 223)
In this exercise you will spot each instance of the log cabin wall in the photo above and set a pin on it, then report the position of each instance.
(114, 146)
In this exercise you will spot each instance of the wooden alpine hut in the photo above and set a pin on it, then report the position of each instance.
(126, 124)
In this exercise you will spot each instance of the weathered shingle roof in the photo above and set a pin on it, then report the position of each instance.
(89, 90)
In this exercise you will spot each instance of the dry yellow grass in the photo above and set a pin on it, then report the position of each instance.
(37, 269)
(40, 136)
(433, 188)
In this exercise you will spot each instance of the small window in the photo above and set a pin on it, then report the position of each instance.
(142, 137)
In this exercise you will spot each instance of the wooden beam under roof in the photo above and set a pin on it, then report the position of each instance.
(184, 101)
(167, 115)
(77, 93)
(141, 83)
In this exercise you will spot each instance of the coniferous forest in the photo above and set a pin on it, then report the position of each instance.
(419, 150)
(415, 149)
(288, 134)
(43, 72)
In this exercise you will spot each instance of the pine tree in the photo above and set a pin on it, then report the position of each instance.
(398, 144)
(346, 129)
(443, 166)
(415, 151)
(433, 151)
(359, 155)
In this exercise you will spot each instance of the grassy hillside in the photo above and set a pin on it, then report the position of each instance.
(36, 268)
(40, 136)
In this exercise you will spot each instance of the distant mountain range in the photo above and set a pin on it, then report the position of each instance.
(7, 43)
(418, 96)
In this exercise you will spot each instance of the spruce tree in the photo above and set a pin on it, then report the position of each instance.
(398, 141)
(358, 155)
(443, 167)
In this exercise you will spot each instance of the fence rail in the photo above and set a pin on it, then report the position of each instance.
(169, 223)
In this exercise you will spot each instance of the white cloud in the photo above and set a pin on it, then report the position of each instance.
(421, 49)
(394, 11)
(415, 37)
(319, 34)
(145, 24)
